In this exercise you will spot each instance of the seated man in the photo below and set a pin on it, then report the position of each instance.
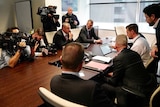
(140, 44)
(129, 73)
(70, 86)
(87, 34)
(63, 36)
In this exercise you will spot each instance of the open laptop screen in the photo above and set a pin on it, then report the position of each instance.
(105, 48)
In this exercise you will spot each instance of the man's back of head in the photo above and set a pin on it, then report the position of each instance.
(72, 55)
(121, 40)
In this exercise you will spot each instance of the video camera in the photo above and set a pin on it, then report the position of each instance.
(9, 41)
(44, 11)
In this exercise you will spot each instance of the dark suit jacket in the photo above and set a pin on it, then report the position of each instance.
(49, 24)
(60, 40)
(83, 36)
(71, 18)
(158, 39)
(75, 89)
(129, 72)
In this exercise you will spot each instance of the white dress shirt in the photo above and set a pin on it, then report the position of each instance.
(141, 46)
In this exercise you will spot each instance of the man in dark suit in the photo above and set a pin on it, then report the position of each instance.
(63, 36)
(50, 22)
(152, 15)
(70, 18)
(129, 74)
(70, 86)
(87, 34)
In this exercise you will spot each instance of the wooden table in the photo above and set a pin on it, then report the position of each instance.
(19, 85)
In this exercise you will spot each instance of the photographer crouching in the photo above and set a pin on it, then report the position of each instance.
(36, 42)
(11, 48)
(38, 46)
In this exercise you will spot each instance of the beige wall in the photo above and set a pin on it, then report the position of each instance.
(36, 18)
(7, 14)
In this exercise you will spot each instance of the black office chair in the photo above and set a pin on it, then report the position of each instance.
(127, 98)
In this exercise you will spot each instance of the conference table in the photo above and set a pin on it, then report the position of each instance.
(94, 49)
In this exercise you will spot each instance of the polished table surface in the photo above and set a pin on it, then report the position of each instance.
(19, 85)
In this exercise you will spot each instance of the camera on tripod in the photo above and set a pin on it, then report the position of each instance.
(44, 11)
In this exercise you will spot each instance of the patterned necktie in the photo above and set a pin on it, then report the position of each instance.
(66, 36)
(88, 35)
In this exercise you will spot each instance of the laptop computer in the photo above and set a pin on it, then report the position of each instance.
(106, 49)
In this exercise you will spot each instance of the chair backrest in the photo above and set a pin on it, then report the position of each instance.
(96, 30)
(149, 62)
(54, 100)
(49, 36)
(75, 33)
(155, 98)
(120, 30)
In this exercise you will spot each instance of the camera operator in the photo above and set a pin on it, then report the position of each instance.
(49, 18)
(70, 18)
(18, 37)
(36, 42)
(10, 52)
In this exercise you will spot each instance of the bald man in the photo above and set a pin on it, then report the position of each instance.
(63, 36)
(70, 18)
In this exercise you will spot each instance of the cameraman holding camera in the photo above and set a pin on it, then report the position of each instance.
(10, 48)
(70, 18)
(49, 18)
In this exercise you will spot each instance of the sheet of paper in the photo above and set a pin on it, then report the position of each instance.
(102, 58)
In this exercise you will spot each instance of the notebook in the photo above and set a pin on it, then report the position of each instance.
(105, 48)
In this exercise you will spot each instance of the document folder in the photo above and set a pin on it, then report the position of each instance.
(97, 66)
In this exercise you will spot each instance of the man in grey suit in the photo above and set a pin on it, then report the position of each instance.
(70, 86)
(87, 34)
